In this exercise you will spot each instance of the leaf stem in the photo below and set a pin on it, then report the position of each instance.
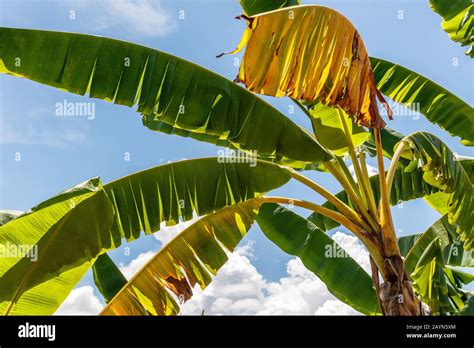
(393, 165)
(366, 238)
(348, 177)
(340, 205)
(372, 204)
(337, 171)
(341, 173)
(334, 215)
(389, 240)
(383, 205)
(364, 192)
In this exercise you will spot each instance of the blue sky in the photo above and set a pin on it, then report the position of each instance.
(57, 153)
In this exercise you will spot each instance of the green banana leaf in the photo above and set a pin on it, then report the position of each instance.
(443, 171)
(176, 191)
(436, 103)
(450, 245)
(165, 88)
(297, 236)
(469, 306)
(460, 277)
(458, 20)
(107, 277)
(253, 7)
(468, 165)
(329, 131)
(193, 257)
(405, 243)
(57, 242)
(299, 134)
(439, 286)
(428, 280)
(390, 138)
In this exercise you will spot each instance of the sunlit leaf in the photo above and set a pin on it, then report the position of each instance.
(60, 239)
(422, 95)
(330, 133)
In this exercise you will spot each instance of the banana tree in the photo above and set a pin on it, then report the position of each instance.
(311, 54)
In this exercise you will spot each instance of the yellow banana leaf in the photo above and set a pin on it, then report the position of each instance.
(191, 258)
(310, 53)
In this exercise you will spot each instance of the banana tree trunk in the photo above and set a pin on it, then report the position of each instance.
(396, 293)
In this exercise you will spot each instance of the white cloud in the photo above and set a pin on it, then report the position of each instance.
(145, 17)
(370, 170)
(166, 233)
(81, 301)
(354, 248)
(135, 265)
(335, 307)
(142, 17)
(240, 289)
(237, 289)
